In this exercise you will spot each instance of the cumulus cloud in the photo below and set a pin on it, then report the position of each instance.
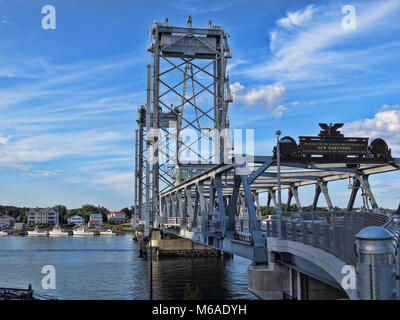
(268, 98)
(385, 124)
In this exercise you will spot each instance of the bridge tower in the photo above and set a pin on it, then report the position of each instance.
(187, 94)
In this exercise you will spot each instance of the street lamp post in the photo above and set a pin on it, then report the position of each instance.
(278, 164)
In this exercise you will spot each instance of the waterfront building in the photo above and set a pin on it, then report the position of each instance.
(19, 226)
(76, 220)
(96, 220)
(117, 217)
(6, 221)
(42, 216)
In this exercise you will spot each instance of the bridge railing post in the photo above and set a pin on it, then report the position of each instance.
(396, 231)
(375, 271)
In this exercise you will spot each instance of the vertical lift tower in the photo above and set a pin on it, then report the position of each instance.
(187, 88)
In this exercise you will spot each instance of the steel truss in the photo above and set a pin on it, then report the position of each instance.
(220, 206)
(207, 208)
(188, 89)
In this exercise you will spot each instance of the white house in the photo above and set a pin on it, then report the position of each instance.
(42, 215)
(117, 217)
(76, 220)
(96, 220)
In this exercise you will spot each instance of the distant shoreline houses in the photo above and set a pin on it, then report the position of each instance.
(6, 221)
(117, 217)
(95, 221)
(50, 216)
(43, 216)
(76, 220)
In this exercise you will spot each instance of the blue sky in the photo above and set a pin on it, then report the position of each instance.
(68, 96)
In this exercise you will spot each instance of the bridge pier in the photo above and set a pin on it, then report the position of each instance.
(268, 282)
(279, 282)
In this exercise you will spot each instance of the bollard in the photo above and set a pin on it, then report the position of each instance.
(396, 232)
(376, 270)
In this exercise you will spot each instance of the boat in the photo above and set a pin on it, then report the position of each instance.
(3, 233)
(108, 232)
(82, 232)
(38, 232)
(58, 232)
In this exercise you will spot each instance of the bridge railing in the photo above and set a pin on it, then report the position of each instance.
(333, 232)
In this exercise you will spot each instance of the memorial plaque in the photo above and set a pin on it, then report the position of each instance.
(331, 146)
(341, 146)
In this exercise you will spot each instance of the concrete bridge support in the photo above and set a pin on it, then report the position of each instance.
(268, 282)
(278, 282)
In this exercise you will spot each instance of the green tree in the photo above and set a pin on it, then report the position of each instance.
(62, 213)
(127, 212)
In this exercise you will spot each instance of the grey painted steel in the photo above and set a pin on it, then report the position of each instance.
(218, 207)
(147, 192)
(333, 232)
(395, 229)
(376, 269)
(278, 164)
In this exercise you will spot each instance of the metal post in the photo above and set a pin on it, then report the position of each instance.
(376, 271)
(396, 231)
(136, 177)
(278, 160)
(299, 297)
(291, 282)
(148, 218)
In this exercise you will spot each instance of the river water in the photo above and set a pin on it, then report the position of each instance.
(109, 268)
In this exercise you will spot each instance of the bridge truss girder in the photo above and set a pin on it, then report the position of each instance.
(210, 206)
(183, 58)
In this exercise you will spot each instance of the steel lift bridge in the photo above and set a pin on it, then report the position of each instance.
(216, 201)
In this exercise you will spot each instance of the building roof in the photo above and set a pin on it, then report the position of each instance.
(118, 213)
(42, 210)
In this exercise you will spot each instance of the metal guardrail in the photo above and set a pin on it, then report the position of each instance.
(333, 232)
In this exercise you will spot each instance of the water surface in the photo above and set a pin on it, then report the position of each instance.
(108, 268)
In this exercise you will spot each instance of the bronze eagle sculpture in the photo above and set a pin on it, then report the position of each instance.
(331, 129)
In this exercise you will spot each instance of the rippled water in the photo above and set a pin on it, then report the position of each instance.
(108, 268)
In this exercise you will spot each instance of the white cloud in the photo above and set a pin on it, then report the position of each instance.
(44, 173)
(310, 47)
(385, 125)
(278, 111)
(47, 147)
(120, 182)
(267, 98)
(236, 88)
(4, 20)
(4, 140)
(297, 18)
